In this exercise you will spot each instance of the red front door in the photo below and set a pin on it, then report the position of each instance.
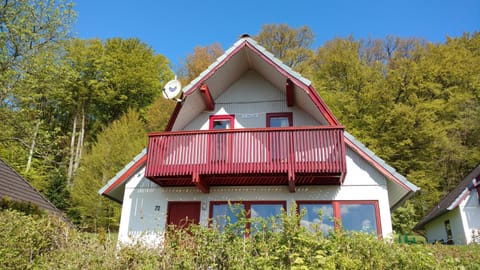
(182, 214)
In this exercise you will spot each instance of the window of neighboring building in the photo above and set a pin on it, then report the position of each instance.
(280, 119)
(225, 213)
(360, 216)
(448, 230)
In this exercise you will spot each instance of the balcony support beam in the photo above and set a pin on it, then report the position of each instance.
(207, 97)
(289, 93)
(291, 181)
(200, 183)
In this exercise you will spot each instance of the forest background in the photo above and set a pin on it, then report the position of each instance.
(73, 112)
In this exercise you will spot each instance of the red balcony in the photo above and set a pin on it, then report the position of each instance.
(264, 156)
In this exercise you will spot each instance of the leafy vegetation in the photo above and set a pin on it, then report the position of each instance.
(66, 104)
(42, 242)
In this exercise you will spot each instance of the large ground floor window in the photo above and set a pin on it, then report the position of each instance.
(362, 216)
(257, 213)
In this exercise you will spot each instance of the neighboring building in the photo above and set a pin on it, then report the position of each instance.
(252, 132)
(14, 187)
(456, 218)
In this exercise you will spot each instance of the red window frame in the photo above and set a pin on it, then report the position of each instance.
(289, 115)
(247, 207)
(217, 139)
(276, 153)
(230, 117)
(337, 215)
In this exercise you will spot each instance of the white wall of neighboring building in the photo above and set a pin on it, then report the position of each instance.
(464, 219)
(470, 214)
(145, 203)
(435, 229)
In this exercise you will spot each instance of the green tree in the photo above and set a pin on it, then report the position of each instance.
(290, 45)
(116, 145)
(31, 33)
(111, 77)
(27, 27)
(198, 61)
(415, 104)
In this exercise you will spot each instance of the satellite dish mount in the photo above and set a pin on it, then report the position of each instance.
(173, 90)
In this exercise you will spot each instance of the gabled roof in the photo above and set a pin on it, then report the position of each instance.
(244, 55)
(16, 188)
(452, 199)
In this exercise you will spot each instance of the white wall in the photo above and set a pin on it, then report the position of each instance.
(145, 203)
(435, 230)
(250, 105)
(470, 215)
(463, 219)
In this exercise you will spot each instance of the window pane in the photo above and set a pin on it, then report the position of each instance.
(269, 212)
(224, 214)
(317, 217)
(279, 122)
(359, 217)
(221, 124)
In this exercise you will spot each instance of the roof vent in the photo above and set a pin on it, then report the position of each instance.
(244, 36)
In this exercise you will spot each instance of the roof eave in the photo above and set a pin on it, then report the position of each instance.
(378, 163)
(119, 179)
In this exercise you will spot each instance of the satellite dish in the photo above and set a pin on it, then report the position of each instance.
(173, 90)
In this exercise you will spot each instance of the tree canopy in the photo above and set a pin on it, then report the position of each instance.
(75, 111)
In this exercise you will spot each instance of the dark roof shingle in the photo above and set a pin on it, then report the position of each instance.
(17, 188)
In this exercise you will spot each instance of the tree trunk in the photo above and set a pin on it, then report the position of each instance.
(72, 151)
(32, 147)
(81, 136)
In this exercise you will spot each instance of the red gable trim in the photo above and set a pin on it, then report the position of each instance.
(173, 117)
(127, 174)
(175, 113)
(375, 164)
(217, 67)
(322, 106)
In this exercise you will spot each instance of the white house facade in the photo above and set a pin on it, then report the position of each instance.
(456, 218)
(251, 132)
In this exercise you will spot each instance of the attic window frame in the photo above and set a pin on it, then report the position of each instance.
(288, 115)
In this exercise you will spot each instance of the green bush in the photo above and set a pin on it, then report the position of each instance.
(24, 238)
(46, 243)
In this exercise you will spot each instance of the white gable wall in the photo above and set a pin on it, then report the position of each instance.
(145, 203)
(250, 99)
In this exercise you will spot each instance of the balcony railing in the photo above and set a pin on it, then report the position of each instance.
(262, 152)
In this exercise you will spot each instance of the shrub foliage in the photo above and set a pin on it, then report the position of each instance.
(44, 242)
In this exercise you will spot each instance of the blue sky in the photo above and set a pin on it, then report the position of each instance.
(173, 28)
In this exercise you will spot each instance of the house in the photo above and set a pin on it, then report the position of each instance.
(252, 132)
(456, 218)
(16, 188)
